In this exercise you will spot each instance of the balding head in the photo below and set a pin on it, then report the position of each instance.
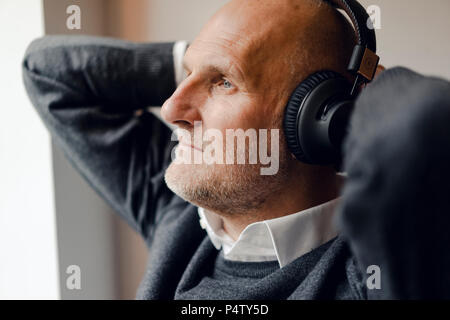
(242, 68)
(282, 41)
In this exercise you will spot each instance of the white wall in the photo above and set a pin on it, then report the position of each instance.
(84, 221)
(170, 20)
(415, 34)
(28, 248)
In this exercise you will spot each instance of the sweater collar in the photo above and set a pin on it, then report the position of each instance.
(284, 239)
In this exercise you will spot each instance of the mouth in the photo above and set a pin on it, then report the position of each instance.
(190, 146)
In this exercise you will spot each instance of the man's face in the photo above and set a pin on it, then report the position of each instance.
(233, 82)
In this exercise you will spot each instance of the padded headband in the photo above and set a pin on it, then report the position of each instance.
(359, 17)
(364, 60)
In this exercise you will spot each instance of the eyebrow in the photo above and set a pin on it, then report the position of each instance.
(209, 68)
(215, 68)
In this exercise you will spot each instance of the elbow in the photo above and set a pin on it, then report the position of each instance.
(34, 54)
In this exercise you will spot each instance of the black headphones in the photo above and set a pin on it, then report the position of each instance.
(318, 112)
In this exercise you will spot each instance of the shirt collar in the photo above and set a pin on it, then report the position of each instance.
(284, 239)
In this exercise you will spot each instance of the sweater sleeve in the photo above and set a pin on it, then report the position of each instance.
(92, 94)
(395, 209)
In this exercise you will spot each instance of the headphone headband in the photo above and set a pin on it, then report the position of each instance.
(364, 60)
(318, 112)
(359, 17)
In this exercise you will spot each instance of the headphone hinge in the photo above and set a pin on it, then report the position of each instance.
(363, 62)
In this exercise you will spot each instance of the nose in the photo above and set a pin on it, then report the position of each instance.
(182, 108)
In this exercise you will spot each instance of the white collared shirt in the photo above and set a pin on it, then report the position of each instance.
(284, 239)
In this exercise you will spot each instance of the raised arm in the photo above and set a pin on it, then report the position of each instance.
(92, 93)
(395, 209)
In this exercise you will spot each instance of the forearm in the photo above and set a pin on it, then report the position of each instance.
(395, 204)
(106, 71)
(87, 91)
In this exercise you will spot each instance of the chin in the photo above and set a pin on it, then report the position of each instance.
(185, 180)
(228, 189)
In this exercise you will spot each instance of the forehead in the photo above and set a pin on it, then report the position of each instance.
(221, 43)
(252, 38)
(223, 53)
(235, 50)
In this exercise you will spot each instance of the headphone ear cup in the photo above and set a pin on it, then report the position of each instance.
(307, 134)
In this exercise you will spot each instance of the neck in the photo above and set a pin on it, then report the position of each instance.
(317, 185)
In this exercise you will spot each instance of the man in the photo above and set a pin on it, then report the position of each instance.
(259, 236)
(261, 69)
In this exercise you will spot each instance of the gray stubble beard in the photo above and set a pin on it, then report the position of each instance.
(239, 189)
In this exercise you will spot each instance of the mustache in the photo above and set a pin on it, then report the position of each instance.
(186, 135)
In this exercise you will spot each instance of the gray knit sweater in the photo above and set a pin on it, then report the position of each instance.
(395, 206)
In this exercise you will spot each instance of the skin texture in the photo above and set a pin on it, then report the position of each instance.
(242, 68)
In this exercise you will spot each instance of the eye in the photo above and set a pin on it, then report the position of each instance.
(223, 86)
(227, 84)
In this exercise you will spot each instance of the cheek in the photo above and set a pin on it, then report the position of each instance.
(236, 112)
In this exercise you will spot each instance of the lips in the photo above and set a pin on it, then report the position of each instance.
(190, 146)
